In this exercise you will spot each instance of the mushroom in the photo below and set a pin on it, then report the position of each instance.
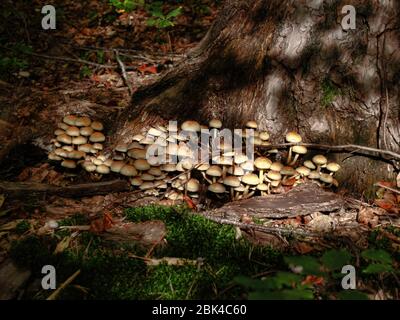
(262, 163)
(264, 135)
(232, 182)
(137, 153)
(192, 186)
(58, 132)
(70, 119)
(215, 123)
(141, 165)
(191, 125)
(98, 126)
(214, 172)
(52, 156)
(63, 126)
(249, 179)
(147, 177)
(116, 166)
(247, 166)
(86, 131)
(333, 167)
(80, 140)
(136, 181)
(236, 171)
(64, 138)
(309, 164)
(273, 176)
(303, 171)
(70, 164)
(292, 137)
(314, 175)
(326, 178)
(238, 191)
(216, 188)
(83, 122)
(72, 131)
(103, 169)
(128, 170)
(252, 124)
(97, 137)
(263, 188)
(297, 150)
(89, 166)
(276, 166)
(320, 161)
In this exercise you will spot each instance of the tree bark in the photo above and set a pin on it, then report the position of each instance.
(291, 66)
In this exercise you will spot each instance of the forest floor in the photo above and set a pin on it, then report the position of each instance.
(153, 249)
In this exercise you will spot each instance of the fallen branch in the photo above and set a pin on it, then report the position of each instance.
(123, 72)
(378, 184)
(55, 294)
(23, 189)
(344, 148)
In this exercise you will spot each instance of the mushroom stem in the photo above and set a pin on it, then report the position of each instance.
(232, 191)
(249, 195)
(261, 175)
(205, 177)
(289, 155)
(294, 159)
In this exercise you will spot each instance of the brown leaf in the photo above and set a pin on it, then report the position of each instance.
(303, 248)
(313, 280)
(384, 204)
(367, 217)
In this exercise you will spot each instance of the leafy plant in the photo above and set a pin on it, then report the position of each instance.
(127, 5)
(381, 261)
(159, 19)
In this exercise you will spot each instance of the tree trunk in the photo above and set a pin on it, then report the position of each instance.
(291, 66)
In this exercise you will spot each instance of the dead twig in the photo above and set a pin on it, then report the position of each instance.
(55, 294)
(123, 72)
(378, 184)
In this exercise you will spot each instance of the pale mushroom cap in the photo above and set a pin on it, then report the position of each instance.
(83, 122)
(75, 154)
(61, 152)
(203, 167)
(103, 169)
(147, 177)
(248, 165)
(293, 137)
(168, 167)
(264, 135)
(96, 125)
(72, 131)
(215, 123)
(193, 185)
(97, 137)
(68, 148)
(232, 181)
(216, 188)
(191, 125)
(303, 171)
(262, 187)
(52, 156)
(79, 140)
(141, 164)
(147, 185)
(128, 171)
(276, 166)
(314, 175)
(250, 179)
(274, 175)
(63, 126)
(137, 153)
(97, 146)
(155, 171)
(136, 181)
(146, 141)
(240, 158)
(223, 161)
(86, 131)
(58, 132)
(287, 171)
(309, 164)
(116, 166)
(135, 145)
(275, 183)
(138, 137)
(262, 163)
(319, 159)
(108, 162)
(236, 171)
(63, 138)
(333, 167)
(325, 177)
(214, 171)
(299, 149)
(241, 188)
(70, 119)
(70, 164)
(251, 124)
(121, 147)
(184, 151)
(85, 147)
(97, 161)
(90, 167)
(154, 132)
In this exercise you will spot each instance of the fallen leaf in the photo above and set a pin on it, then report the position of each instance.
(190, 203)
(62, 245)
(384, 204)
(149, 69)
(367, 217)
(303, 248)
(313, 280)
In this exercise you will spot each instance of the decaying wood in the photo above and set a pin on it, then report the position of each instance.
(24, 189)
(302, 200)
(22, 135)
(12, 279)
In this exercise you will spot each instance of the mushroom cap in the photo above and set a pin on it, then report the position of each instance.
(137, 153)
(73, 132)
(135, 145)
(232, 181)
(241, 188)
(250, 179)
(141, 164)
(264, 135)
(319, 159)
(79, 140)
(70, 164)
(121, 147)
(128, 170)
(240, 158)
(299, 149)
(146, 140)
(63, 138)
(248, 165)
(57, 132)
(75, 154)
(68, 148)
(333, 166)
(236, 171)
(262, 187)
(103, 169)
(83, 122)
(287, 171)
(52, 156)
(168, 167)
(187, 164)
(275, 183)
(147, 177)
(155, 132)
(314, 175)
(96, 125)
(147, 185)
(116, 166)
(191, 125)
(223, 161)
(89, 167)
(155, 171)
(61, 152)
(172, 149)
(309, 164)
(63, 126)
(325, 177)
(214, 171)
(251, 124)
(70, 119)
(86, 131)
(97, 137)
(304, 171)
(262, 163)
(274, 175)
(184, 151)
(97, 146)
(138, 137)
(202, 167)
(216, 188)
(97, 161)
(136, 181)
(276, 166)
(215, 123)
(193, 185)
(293, 137)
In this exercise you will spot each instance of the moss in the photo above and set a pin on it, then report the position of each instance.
(329, 92)
(75, 220)
(22, 227)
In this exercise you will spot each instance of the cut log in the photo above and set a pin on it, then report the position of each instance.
(302, 200)
(24, 189)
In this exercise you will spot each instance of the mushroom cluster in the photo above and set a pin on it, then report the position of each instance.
(169, 160)
(78, 140)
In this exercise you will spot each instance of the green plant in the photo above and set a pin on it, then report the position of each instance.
(381, 261)
(159, 19)
(22, 227)
(329, 92)
(127, 5)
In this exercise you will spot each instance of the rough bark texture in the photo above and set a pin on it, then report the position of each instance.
(291, 66)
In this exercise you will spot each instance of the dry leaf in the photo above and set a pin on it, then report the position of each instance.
(314, 280)
(62, 245)
(367, 217)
